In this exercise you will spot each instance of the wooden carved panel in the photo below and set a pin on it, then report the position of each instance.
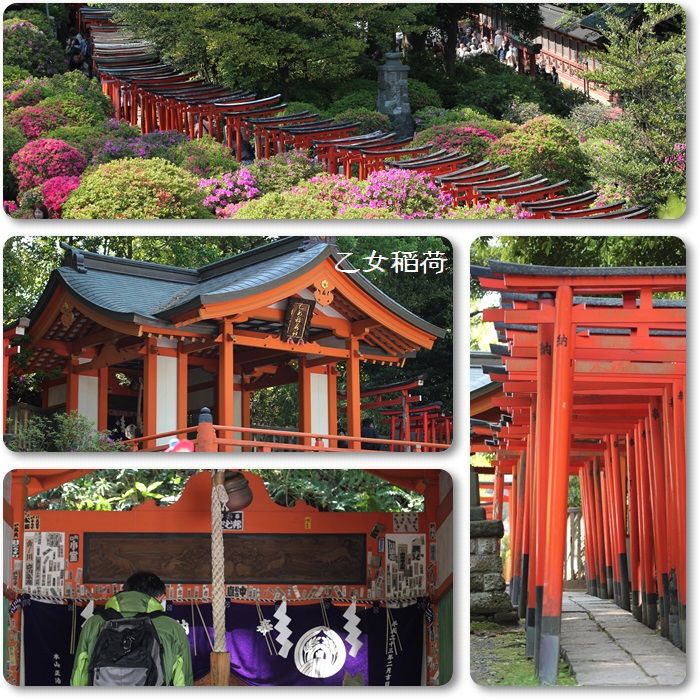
(111, 557)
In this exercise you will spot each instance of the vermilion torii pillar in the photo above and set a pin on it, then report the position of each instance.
(612, 375)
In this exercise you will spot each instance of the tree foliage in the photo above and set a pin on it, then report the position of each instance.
(575, 251)
(351, 490)
(647, 70)
(267, 47)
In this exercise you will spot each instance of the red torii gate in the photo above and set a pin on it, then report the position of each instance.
(593, 387)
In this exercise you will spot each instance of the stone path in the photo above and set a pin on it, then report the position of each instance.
(605, 645)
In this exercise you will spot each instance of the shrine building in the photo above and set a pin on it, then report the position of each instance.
(372, 590)
(147, 345)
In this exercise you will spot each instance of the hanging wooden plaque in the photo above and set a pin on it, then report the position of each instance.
(297, 319)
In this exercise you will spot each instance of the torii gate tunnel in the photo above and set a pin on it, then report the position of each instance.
(594, 386)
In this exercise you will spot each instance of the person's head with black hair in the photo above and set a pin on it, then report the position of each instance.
(145, 582)
(367, 422)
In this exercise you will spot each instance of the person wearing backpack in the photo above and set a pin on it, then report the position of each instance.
(131, 641)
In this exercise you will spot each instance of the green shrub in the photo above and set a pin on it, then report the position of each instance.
(368, 119)
(520, 112)
(283, 171)
(36, 17)
(363, 99)
(296, 107)
(204, 157)
(466, 116)
(26, 46)
(421, 95)
(590, 116)
(544, 146)
(12, 76)
(135, 188)
(62, 432)
(81, 109)
(286, 205)
(12, 140)
(486, 83)
(352, 86)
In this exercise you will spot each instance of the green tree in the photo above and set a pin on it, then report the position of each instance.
(267, 48)
(647, 70)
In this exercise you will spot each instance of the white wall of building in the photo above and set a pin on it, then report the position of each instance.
(166, 396)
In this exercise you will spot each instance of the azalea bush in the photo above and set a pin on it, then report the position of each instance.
(465, 116)
(55, 192)
(393, 193)
(27, 47)
(35, 120)
(544, 146)
(29, 92)
(411, 194)
(136, 188)
(282, 171)
(221, 194)
(13, 76)
(89, 139)
(493, 209)
(42, 159)
(154, 145)
(368, 119)
(203, 157)
(287, 205)
(12, 140)
(471, 141)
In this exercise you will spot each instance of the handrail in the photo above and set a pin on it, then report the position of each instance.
(216, 435)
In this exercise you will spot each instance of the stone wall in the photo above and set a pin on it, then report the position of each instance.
(487, 587)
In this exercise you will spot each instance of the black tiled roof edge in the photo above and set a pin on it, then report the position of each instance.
(497, 266)
(82, 261)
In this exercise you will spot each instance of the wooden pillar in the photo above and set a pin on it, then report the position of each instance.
(304, 400)
(150, 391)
(72, 386)
(646, 538)
(635, 571)
(5, 381)
(225, 413)
(557, 492)
(543, 412)
(679, 471)
(352, 381)
(619, 530)
(103, 398)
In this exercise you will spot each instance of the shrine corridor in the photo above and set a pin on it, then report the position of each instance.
(605, 645)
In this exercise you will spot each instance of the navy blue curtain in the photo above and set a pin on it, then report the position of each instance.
(48, 661)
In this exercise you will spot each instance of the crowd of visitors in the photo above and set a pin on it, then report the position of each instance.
(473, 43)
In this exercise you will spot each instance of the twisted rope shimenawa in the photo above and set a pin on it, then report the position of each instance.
(219, 498)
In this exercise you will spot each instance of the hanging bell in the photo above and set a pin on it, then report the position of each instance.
(238, 490)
